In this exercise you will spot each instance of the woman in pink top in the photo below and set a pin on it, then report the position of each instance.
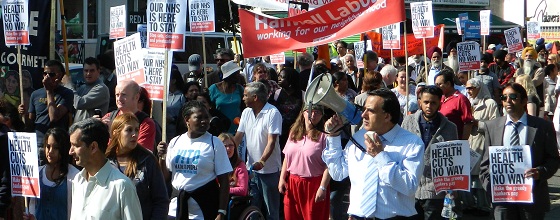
(239, 178)
(304, 178)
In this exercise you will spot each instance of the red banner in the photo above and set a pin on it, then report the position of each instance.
(414, 45)
(336, 20)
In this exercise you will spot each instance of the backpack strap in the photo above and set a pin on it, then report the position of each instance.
(113, 114)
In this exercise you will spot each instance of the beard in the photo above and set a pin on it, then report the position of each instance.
(541, 59)
(528, 66)
(436, 64)
(453, 62)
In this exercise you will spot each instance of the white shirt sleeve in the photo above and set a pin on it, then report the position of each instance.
(336, 158)
(275, 125)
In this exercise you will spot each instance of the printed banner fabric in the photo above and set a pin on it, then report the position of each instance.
(336, 20)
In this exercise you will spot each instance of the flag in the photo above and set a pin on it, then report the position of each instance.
(323, 53)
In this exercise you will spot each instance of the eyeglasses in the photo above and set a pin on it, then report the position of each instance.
(51, 74)
(470, 88)
(511, 96)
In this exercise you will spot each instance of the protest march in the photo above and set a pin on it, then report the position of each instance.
(278, 109)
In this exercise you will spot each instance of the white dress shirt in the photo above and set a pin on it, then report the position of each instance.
(399, 165)
(522, 130)
(108, 194)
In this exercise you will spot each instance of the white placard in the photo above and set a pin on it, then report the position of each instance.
(15, 15)
(450, 163)
(468, 54)
(422, 19)
(533, 30)
(458, 26)
(359, 51)
(117, 22)
(154, 65)
(129, 59)
(391, 36)
(166, 24)
(24, 164)
(507, 173)
(201, 16)
(485, 22)
(513, 40)
(475, 157)
(279, 58)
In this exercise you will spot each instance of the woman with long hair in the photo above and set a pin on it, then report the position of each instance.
(227, 95)
(55, 178)
(533, 101)
(304, 178)
(400, 90)
(288, 100)
(138, 164)
(239, 178)
(193, 163)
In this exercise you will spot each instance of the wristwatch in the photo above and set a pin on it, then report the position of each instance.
(323, 188)
(261, 162)
(223, 212)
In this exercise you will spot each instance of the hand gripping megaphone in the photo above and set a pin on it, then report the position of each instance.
(321, 92)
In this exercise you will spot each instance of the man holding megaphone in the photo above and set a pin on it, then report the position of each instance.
(383, 171)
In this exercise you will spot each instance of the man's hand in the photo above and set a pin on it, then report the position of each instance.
(50, 83)
(374, 146)
(333, 124)
(257, 165)
(21, 109)
(162, 149)
(532, 173)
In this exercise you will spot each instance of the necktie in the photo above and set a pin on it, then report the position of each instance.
(514, 138)
(370, 191)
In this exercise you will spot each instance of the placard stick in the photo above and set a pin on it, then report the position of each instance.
(165, 93)
(425, 60)
(233, 31)
(20, 74)
(295, 59)
(64, 42)
(392, 57)
(52, 44)
(406, 67)
(204, 60)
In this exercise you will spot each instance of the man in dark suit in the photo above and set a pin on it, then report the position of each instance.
(533, 131)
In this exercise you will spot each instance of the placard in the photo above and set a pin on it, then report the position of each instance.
(450, 163)
(485, 22)
(513, 40)
(201, 14)
(458, 26)
(422, 19)
(463, 18)
(129, 60)
(472, 30)
(15, 14)
(154, 64)
(166, 24)
(323, 25)
(142, 29)
(507, 174)
(468, 54)
(533, 30)
(359, 51)
(475, 157)
(391, 36)
(24, 165)
(279, 58)
(117, 22)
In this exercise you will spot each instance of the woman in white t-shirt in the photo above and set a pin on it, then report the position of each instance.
(55, 179)
(193, 162)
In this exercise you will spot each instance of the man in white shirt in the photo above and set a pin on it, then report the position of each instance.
(384, 173)
(261, 122)
(99, 191)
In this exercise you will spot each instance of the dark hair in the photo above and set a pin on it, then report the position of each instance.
(447, 76)
(206, 96)
(291, 76)
(189, 84)
(401, 60)
(372, 80)
(107, 60)
(548, 69)
(390, 103)
(344, 44)
(320, 69)
(92, 130)
(305, 59)
(144, 97)
(56, 63)
(225, 51)
(190, 107)
(517, 88)
(487, 58)
(179, 83)
(371, 56)
(9, 111)
(432, 90)
(338, 76)
(92, 61)
(403, 69)
(63, 140)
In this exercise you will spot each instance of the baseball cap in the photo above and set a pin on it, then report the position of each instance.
(194, 62)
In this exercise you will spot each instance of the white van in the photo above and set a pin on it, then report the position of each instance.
(193, 44)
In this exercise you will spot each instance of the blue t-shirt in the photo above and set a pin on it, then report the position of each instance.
(62, 96)
(227, 104)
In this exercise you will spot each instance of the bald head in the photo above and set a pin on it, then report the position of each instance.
(127, 94)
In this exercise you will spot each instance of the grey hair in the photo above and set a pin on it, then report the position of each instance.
(483, 93)
(225, 51)
(344, 67)
(305, 60)
(258, 89)
(388, 70)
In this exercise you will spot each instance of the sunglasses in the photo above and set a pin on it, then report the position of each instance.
(511, 96)
(221, 60)
(51, 74)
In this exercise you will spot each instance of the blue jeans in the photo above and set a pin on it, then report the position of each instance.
(265, 187)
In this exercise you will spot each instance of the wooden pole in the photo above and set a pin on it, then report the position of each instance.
(406, 67)
(52, 43)
(233, 31)
(295, 59)
(64, 42)
(165, 94)
(392, 57)
(425, 60)
(204, 60)
(20, 74)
